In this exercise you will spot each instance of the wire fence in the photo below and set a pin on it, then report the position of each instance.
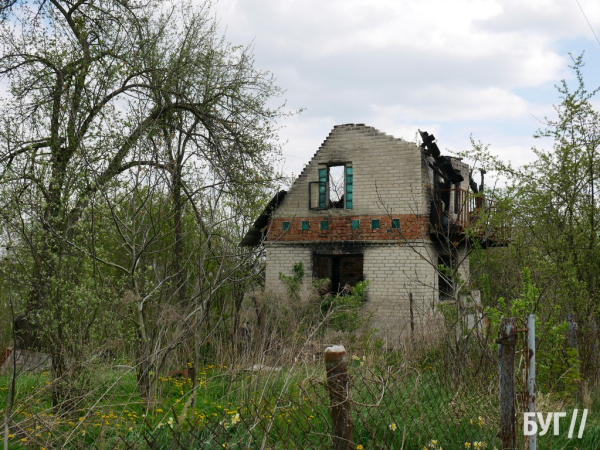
(447, 400)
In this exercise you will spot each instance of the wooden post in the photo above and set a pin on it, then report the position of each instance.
(507, 340)
(340, 405)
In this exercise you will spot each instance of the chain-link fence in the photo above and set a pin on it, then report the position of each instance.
(447, 399)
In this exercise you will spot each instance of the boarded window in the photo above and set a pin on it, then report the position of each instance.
(341, 270)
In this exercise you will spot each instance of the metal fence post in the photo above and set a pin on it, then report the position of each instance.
(573, 343)
(530, 368)
(340, 405)
(506, 355)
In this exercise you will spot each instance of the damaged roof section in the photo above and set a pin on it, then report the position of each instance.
(442, 165)
(258, 231)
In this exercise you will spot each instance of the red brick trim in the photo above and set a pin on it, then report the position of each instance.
(412, 226)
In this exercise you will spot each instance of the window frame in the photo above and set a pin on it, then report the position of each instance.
(323, 187)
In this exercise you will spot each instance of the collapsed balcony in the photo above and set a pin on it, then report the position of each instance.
(457, 214)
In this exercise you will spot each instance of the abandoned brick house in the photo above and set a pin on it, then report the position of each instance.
(369, 206)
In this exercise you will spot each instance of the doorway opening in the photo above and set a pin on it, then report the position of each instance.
(343, 271)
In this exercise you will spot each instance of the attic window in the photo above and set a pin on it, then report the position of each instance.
(336, 182)
(334, 190)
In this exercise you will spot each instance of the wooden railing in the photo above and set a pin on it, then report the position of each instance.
(459, 212)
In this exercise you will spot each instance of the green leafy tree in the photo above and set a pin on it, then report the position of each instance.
(552, 204)
(98, 91)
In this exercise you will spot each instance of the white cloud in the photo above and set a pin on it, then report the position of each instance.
(453, 67)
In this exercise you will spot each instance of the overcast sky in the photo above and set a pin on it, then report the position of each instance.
(453, 68)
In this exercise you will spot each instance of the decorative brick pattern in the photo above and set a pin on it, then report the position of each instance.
(340, 229)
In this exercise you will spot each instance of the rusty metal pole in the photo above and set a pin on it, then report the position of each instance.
(530, 366)
(340, 405)
(507, 340)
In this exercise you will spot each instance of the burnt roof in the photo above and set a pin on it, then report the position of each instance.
(257, 231)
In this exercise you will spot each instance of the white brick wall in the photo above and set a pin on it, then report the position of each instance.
(387, 174)
(394, 272)
(281, 258)
(390, 177)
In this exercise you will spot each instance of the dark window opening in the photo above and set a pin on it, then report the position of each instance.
(444, 190)
(343, 271)
(395, 224)
(324, 225)
(375, 224)
(446, 270)
(355, 224)
(286, 226)
(305, 225)
(456, 199)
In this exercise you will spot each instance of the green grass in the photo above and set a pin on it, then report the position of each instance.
(285, 409)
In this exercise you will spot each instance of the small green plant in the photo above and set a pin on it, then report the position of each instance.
(293, 282)
(344, 309)
(558, 367)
